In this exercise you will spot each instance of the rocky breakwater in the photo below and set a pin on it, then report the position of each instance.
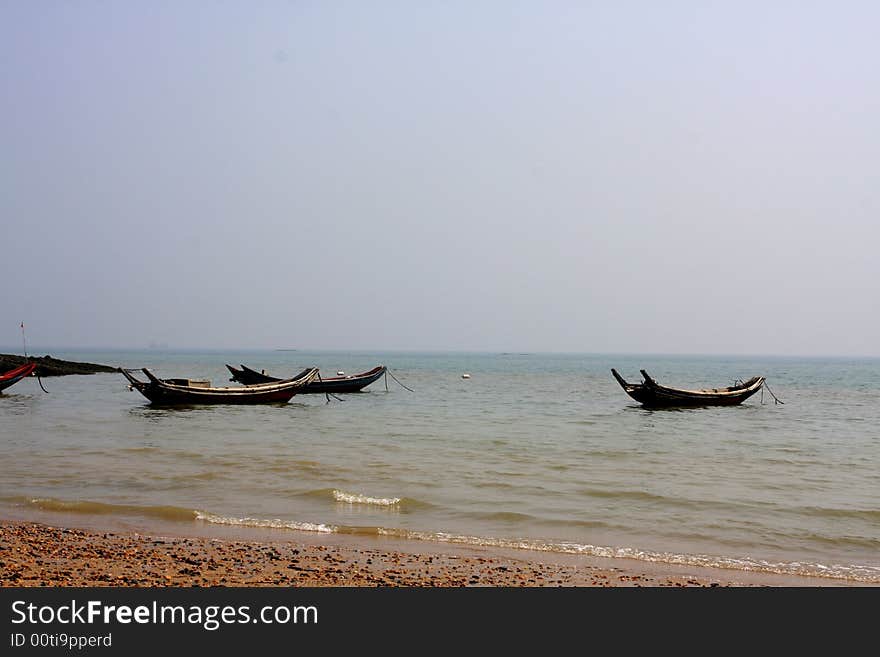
(49, 366)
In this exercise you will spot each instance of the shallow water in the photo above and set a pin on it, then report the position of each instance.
(541, 451)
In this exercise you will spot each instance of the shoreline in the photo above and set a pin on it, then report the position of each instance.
(69, 551)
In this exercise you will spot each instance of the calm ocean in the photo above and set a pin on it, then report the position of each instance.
(539, 451)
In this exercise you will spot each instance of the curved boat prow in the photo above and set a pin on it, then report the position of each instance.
(15, 375)
(620, 379)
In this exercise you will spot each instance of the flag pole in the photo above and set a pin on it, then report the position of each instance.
(23, 341)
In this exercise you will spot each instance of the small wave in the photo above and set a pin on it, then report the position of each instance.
(294, 465)
(274, 523)
(869, 542)
(868, 515)
(202, 476)
(101, 508)
(391, 503)
(634, 495)
(355, 498)
(852, 572)
(499, 485)
(606, 453)
(505, 516)
(856, 573)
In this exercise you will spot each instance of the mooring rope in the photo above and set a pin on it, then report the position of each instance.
(327, 393)
(775, 398)
(387, 371)
(24, 348)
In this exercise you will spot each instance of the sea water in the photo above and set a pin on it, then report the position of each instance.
(535, 451)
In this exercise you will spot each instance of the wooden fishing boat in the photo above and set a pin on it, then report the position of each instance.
(653, 395)
(335, 384)
(15, 375)
(168, 392)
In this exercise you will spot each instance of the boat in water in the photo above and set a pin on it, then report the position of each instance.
(16, 374)
(651, 394)
(170, 392)
(334, 384)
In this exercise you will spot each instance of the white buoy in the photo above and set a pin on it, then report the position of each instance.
(465, 376)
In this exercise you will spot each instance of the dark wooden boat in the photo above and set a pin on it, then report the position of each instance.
(15, 375)
(249, 377)
(169, 392)
(335, 384)
(653, 395)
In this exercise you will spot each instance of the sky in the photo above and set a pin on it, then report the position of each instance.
(604, 177)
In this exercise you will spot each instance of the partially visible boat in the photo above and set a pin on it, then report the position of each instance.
(170, 392)
(334, 384)
(16, 374)
(651, 394)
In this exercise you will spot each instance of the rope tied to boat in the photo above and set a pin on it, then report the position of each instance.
(327, 393)
(24, 348)
(776, 400)
(387, 371)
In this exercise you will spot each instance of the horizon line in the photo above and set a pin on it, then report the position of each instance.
(512, 352)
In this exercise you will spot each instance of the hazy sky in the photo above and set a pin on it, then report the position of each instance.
(663, 177)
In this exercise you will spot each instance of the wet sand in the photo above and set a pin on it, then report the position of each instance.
(37, 554)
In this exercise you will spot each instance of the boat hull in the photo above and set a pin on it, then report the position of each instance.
(355, 383)
(651, 394)
(13, 376)
(336, 384)
(165, 393)
(162, 397)
(652, 399)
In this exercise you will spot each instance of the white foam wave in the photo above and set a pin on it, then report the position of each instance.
(858, 573)
(354, 498)
(868, 574)
(265, 522)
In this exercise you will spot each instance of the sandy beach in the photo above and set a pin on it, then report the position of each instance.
(36, 554)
